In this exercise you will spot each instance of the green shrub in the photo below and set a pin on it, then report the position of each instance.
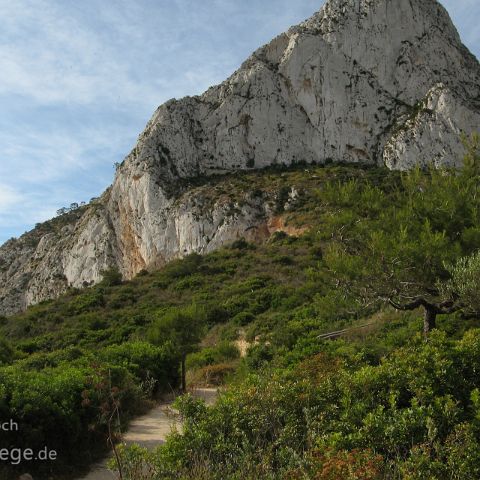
(243, 318)
(145, 360)
(376, 401)
(221, 353)
(7, 352)
(111, 277)
(412, 415)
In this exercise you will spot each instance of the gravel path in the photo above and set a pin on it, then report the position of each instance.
(149, 431)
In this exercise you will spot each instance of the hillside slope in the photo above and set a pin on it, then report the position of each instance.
(302, 402)
(385, 82)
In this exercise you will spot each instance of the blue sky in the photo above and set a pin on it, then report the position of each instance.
(79, 80)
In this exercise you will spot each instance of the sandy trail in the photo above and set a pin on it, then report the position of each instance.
(149, 431)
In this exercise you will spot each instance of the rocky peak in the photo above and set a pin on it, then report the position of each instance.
(350, 72)
(384, 82)
(397, 35)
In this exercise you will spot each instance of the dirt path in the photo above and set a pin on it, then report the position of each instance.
(149, 431)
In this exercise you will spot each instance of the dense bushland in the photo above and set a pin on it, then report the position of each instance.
(414, 415)
(377, 401)
(64, 400)
(383, 401)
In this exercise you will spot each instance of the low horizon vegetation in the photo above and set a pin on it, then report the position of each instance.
(379, 402)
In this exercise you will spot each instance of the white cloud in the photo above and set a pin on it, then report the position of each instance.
(41, 158)
(49, 55)
(123, 52)
(9, 198)
(55, 58)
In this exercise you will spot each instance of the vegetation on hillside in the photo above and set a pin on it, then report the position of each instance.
(335, 415)
(378, 401)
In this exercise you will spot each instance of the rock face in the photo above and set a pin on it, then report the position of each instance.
(385, 82)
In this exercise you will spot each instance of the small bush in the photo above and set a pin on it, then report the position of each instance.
(111, 277)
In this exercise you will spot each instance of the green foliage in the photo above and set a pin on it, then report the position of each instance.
(180, 269)
(64, 399)
(464, 283)
(223, 352)
(395, 245)
(51, 407)
(472, 158)
(144, 361)
(415, 415)
(87, 301)
(181, 327)
(7, 353)
(134, 463)
(111, 277)
(376, 402)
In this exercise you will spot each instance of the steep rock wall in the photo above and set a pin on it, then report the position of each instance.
(362, 81)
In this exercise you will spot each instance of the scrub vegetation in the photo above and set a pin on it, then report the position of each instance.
(388, 260)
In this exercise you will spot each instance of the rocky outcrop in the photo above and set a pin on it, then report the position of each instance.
(439, 121)
(363, 81)
(78, 248)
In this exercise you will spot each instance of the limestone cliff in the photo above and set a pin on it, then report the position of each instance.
(365, 81)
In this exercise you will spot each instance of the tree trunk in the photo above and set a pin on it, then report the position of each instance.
(429, 320)
(184, 375)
